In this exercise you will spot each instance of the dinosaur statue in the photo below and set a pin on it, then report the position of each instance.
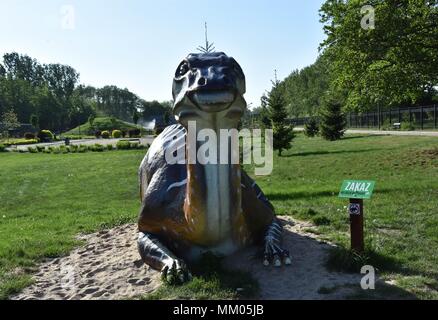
(191, 208)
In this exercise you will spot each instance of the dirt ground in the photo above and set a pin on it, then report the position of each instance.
(108, 266)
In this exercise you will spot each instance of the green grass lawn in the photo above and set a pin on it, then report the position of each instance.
(47, 199)
(401, 219)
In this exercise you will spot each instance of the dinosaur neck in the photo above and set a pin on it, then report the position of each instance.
(213, 199)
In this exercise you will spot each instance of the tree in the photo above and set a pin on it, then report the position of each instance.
(392, 62)
(282, 132)
(264, 118)
(91, 120)
(311, 128)
(113, 122)
(333, 122)
(9, 121)
(135, 117)
(34, 121)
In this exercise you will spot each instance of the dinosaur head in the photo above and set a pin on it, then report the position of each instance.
(208, 83)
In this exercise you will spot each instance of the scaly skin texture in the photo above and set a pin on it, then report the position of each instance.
(189, 208)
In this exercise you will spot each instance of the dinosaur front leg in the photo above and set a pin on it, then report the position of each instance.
(273, 252)
(158, 256)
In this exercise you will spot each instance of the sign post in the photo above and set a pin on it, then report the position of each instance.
(356, 191)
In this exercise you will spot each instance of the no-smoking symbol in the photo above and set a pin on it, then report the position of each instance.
(354, 208)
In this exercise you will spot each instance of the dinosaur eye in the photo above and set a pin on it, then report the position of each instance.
(183, 68)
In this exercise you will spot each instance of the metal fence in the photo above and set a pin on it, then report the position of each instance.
(420, 118)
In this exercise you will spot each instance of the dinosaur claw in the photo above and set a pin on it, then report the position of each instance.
(277, 261)
(175, 273)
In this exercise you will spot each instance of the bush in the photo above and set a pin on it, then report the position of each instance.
(40, 148)
(74, 148)
(311, 128)
(29, 136)
(98, 148)
(45, 136)
(407, 126)
(82, 149)
(2, 148)
(123, 145)
(21, 142)
(32, 150)
(109, 147)
(98, 134)
(134, 133)
(117, 134)
(105, 134)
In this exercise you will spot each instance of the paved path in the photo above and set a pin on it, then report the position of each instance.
(394, 133)
(144, 140)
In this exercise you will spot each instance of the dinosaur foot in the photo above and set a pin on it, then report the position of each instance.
(274, 253)
(175, 272)
(276, 256)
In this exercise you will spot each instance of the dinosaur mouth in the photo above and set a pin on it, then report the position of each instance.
(214, 100)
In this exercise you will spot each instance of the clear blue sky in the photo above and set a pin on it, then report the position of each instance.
(138, 44)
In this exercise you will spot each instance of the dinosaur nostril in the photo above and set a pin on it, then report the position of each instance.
(202, 81)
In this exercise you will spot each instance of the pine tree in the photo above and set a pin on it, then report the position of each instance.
(135, 117)
(34, 121)
(282, 132)
(332, 121)
(311, 127)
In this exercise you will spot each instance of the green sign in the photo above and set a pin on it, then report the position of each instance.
(357, 189)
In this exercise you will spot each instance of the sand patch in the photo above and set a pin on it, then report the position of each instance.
(108, 266)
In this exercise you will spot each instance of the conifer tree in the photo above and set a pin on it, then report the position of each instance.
(332, 120)
(282, 131)
(311, 127)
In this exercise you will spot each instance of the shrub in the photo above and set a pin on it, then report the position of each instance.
(56, 151)
(105, 134)
(134, 133)
(407, 126)
(311, 128)
(29, 136)
(74, 148)
(22, 142)
(32, 150)
(117, 134)
(98, 134)
(109, 147)
(386, 125)
(123, 133)
(123, 145)
(41, 148)
(82, 149)
(2, 148)
(98, 148)
(45, 136)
